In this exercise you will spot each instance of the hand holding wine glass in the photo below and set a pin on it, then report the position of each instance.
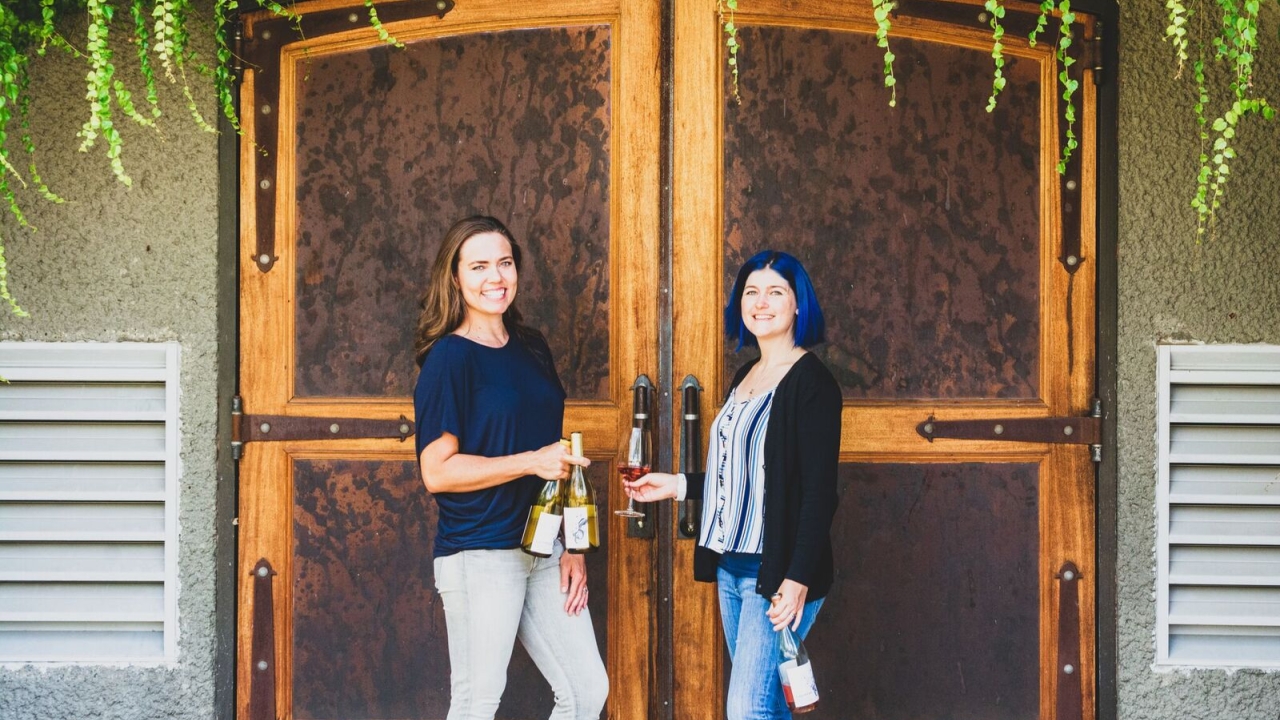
(652, 487)
(634, 461)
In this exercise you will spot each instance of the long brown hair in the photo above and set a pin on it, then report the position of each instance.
(443, 308)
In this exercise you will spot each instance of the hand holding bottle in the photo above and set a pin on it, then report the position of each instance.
(554, 461)
(794, 670)
(651, 487)
(788, 605)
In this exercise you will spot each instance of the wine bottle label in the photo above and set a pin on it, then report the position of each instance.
(544, 536)
(577, 534)
(804, 690)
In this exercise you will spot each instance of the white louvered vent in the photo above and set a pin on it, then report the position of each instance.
(1218, 547)
(88, 502)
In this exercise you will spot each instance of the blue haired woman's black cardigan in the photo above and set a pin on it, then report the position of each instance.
(801, 452)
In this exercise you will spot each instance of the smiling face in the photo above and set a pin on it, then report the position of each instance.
(486, 274)
(768, 305)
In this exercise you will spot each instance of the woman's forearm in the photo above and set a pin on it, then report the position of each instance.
(461, 473)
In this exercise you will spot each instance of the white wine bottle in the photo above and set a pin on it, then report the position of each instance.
(581, 525)
(796, 673)
(545, 518)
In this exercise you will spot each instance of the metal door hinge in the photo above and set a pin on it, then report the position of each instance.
(1058, 430)
(258, 428)
(1095, 450)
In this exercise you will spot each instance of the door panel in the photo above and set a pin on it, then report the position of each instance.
(516, 120)
(530, 114)
(932, 231)
(873, 198)
(938, 564)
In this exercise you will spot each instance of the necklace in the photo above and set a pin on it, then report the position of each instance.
(768, 373)
(493, 342)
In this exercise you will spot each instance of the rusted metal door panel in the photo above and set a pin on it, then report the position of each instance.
(392, 145)
(937, 564)
(921, 222)
(937, 237)
(357, 157)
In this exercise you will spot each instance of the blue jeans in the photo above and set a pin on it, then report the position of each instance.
(755, 692)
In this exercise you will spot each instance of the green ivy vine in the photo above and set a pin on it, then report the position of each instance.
(157, 32)
(995, 14)
(1230, 41)
(730, 41)
(881, 9)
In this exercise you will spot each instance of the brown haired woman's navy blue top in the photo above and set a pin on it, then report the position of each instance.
(496, 401)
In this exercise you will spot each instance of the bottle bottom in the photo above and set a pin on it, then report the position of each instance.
(582, 551)
(791, 704)
(527, 551)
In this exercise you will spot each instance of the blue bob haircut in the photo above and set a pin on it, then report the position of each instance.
(810, 328)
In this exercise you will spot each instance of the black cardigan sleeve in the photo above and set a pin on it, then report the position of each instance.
(817, 435)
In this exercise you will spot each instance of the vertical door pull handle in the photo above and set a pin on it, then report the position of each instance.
(690, 514)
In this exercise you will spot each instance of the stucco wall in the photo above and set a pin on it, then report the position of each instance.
(116, 263)
(1224, 290)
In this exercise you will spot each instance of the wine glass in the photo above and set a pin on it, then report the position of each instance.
(634, 461)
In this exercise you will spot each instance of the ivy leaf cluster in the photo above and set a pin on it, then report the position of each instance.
(156, 31)
(1232, 45)
(1068, 84)
(882, 10)
(995, 14)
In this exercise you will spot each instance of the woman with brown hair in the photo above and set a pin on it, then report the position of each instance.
(489, 411)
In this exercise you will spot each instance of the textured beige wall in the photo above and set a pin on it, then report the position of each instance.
(118, 263)
(1224, 290)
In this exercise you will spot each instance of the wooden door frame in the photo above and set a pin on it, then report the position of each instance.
(1107, 228)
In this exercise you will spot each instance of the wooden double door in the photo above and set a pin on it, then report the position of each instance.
(954, 264)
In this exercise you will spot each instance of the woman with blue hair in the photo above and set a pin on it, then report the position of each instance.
(769, 490)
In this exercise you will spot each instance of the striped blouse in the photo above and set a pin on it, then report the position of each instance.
(733, 521)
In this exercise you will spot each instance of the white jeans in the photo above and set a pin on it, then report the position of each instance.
(491, 597)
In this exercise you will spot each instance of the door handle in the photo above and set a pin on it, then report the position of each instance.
(642, 395)
(690, 513)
